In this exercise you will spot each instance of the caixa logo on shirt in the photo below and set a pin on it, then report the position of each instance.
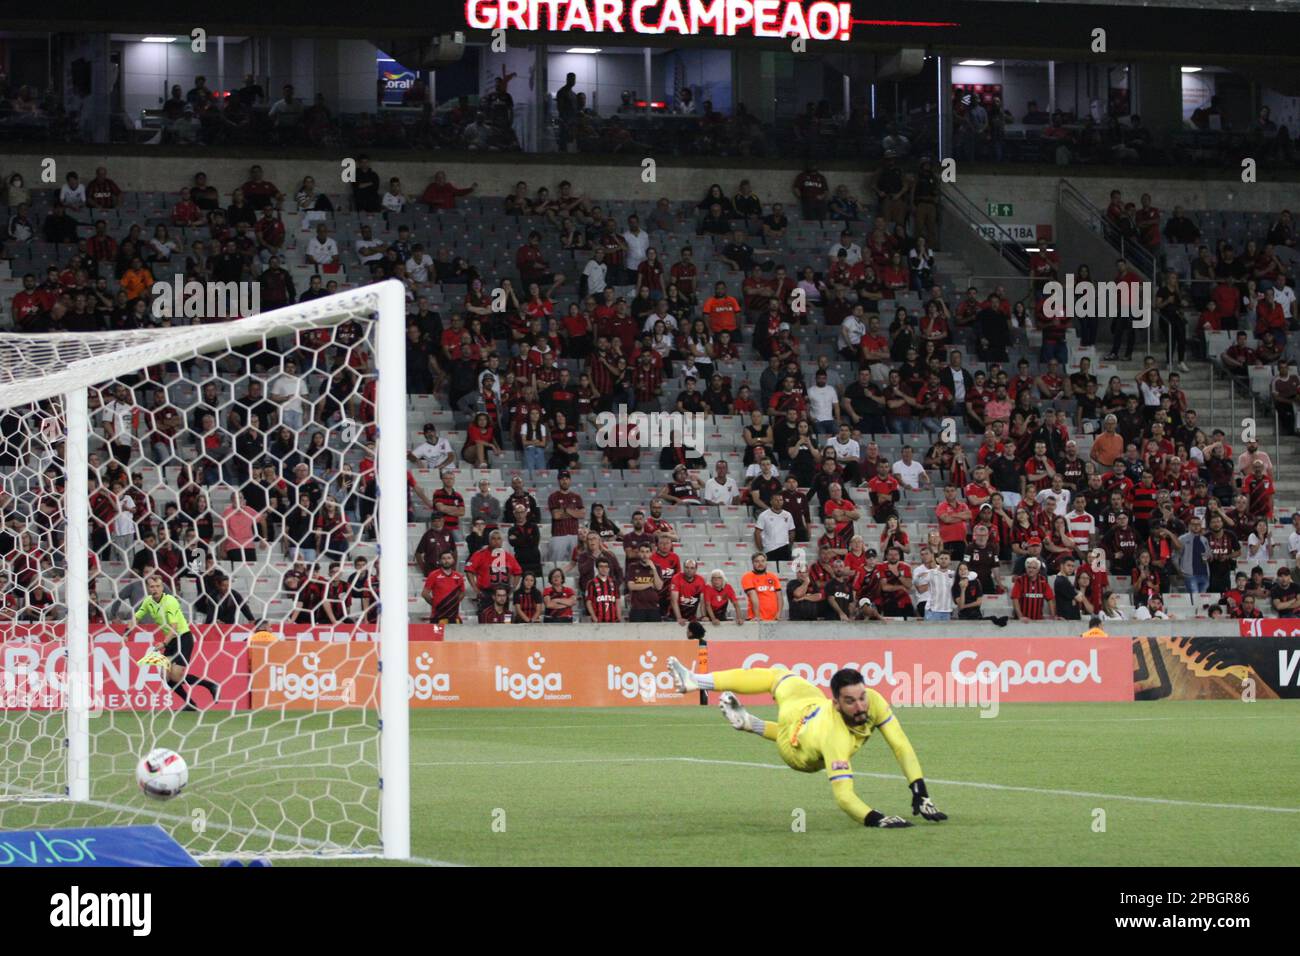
(533, 685)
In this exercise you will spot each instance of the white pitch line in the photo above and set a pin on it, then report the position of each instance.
(1164, 801)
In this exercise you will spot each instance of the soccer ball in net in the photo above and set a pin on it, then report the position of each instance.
(162, 773)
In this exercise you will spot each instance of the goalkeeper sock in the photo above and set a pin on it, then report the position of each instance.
(705, 681)
(180, 690)
(757, 726)
(206, 684)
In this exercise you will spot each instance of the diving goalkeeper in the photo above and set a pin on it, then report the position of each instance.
(812, 733)
(164, 611)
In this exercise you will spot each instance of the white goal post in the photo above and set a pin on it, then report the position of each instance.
(61, 368)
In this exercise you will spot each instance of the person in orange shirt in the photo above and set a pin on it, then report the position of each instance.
(1109, 444)
(137, 280)
(721, 310)
(763, 588)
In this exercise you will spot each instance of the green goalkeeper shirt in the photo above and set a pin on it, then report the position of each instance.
(166, 614)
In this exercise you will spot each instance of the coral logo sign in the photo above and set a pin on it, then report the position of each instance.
(395, 80)
(534, 684)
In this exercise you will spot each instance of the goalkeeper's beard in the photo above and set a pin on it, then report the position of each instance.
(855, 720)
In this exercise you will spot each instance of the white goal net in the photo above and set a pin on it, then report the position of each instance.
(240, 462)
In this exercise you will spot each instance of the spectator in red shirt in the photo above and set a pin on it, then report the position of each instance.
(1258, 489)
(532, 264)
(101, 246)
(1032, 597)
(954, 517)
(1270, 318)
(102, 192)
(1148, 223)
(685, 272)
(811, 189)
(1238, 357)
(260, 193)
(443, 589)
(185, 212)
(492, 567)
(440, 194)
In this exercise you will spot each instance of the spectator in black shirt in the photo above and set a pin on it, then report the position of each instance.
(225, 605)
(524, 537)
(775, 223)
(738, 253)
(690, 400)
(994, 331)
(228, 265)
(59, 226)
(715, 222)
(365, 191)
(561, 397)
(1181, 230)
(805, 596)
(1067, 605)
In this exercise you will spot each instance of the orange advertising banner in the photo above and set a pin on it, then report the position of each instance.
(308, 675)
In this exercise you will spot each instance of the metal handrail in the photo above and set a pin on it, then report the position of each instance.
(1069, 196)
(1071, 200)
(1003, 241)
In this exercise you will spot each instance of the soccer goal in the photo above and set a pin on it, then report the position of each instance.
(242, 463)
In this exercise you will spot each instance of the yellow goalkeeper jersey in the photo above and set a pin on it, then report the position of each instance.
(813, 736)
(818, 738)
(166, 614)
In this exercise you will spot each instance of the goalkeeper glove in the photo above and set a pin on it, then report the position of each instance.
(877, 819)
(922, 804)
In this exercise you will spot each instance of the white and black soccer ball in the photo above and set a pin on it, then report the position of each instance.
(162, 773)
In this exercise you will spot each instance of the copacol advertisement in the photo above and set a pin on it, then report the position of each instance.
(1216, 668)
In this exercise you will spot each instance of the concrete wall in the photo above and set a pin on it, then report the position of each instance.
(819, 631)
(1034, 196)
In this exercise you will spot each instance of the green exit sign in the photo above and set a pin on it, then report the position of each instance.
(1000, 209)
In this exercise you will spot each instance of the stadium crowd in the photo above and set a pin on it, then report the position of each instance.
(1155, 504)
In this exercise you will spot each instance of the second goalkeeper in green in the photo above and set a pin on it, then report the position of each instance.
(164, 611)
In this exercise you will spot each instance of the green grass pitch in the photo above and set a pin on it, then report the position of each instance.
(1198, 783)
(678, 786)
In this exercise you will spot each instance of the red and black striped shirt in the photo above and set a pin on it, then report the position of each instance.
(527, 602)
(602, 597)
(453, 499)
(1144, 502)
(491, 615)
(559, 614)
(1031, 595)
